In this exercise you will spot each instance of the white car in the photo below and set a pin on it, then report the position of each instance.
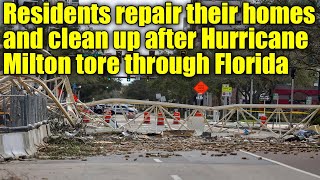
(119, 108)
(130, 106)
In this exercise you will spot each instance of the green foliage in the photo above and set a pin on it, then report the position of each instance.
(138, 90)
(96, 86)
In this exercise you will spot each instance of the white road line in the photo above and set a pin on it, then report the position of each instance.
(176, 177)
(157, 160)
(284, 165)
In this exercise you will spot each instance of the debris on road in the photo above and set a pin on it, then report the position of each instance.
(179, 133)
(304, 134)
(64, 147)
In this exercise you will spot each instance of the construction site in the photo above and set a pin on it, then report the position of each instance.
(157, 116)
(42, 123)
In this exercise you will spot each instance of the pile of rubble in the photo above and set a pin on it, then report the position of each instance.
(64, 147)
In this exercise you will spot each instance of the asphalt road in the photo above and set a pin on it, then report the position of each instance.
(305, 161)
(188, 166)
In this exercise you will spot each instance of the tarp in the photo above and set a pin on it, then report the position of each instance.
(302, 134)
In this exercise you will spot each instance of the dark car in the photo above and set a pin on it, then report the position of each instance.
(101, 108)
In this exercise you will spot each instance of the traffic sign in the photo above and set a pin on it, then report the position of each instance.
(158, 96)
(309, 100)
(264, 98)
(226, 90)
(201, 88)
(275, 96)
(199, 97)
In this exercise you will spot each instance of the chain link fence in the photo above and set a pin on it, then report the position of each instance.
(21, 110)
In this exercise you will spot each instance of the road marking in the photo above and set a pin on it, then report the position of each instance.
(176, 177)
(284, 165)
(157, 160)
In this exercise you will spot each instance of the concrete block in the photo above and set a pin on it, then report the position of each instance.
(33, 147)
(5, 152)
(39, 136)
(42, 133)
(196, 123)
(14, 142)
(48, 130)
(35, 136)
(29, 144)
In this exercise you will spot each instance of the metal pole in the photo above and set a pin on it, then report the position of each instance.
(156, 118)
(251, 91)
(264, 109)
(224, 103)
(292, 90)
(319, 87)
(277, 112)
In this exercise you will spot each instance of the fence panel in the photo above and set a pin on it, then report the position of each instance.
(28, 109)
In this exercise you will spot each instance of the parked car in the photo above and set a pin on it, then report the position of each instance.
(101, 108)
(130, 106)
(119, 108)
(115, 109)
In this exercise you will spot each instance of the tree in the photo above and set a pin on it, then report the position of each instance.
(137, 90)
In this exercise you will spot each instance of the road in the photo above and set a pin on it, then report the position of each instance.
(140, 127)
(188, 166)
(304, 161)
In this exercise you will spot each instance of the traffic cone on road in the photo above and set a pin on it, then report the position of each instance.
(107, 116)
(198, 114)
(176, 117)
(160, 119)
(146, 118)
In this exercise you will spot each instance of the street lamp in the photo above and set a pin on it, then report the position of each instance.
(79, 88)
(318, 70)
(251, 93)
(293, 74)
(251, 90)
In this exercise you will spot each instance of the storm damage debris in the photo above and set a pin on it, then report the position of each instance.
(305, 135)
(179, 133)
(66, 147)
